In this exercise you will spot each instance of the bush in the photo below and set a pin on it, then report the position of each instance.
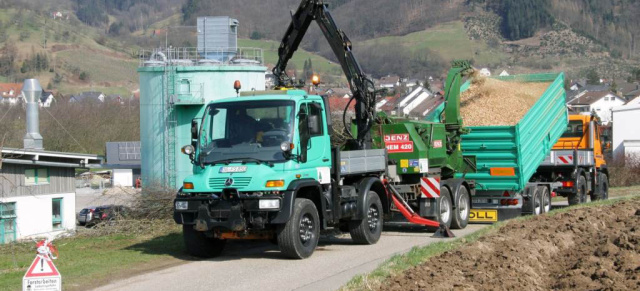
(624, 172)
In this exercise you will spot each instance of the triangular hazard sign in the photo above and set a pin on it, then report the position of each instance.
(41, 267)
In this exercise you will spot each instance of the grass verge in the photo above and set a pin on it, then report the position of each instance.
(418, 255)
(87, 261)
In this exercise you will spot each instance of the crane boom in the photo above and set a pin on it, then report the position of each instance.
(362, 88)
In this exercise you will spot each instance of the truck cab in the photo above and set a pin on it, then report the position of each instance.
(264, 169)
(576, 162)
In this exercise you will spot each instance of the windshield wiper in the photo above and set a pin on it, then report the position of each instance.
(243, 160)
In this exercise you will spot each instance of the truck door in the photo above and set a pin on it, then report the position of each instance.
(318, 148)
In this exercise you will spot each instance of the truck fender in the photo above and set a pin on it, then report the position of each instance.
(286, 209)
(364, 186)
(454, 186)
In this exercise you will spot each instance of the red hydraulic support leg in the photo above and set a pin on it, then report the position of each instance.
(413, 217)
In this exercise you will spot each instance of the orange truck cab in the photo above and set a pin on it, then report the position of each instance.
(576, 162)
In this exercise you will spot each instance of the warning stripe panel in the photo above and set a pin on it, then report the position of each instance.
(568, 159)
(430, 187)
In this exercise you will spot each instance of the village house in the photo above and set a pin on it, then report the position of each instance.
(599, 102)
(46, 99)
(389, 82)
(90, 96)
(11, 93)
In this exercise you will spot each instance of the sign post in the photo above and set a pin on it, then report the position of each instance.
(43, 275)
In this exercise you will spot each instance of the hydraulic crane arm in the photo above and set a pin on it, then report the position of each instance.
(361, 86)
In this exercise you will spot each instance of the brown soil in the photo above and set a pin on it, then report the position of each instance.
(495, 102)
(594, 248)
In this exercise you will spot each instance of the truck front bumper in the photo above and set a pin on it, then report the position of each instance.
(228, 214)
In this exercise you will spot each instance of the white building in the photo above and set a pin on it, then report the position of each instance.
(600, 102)
(626, 136)
(37, 192)
(485, 72)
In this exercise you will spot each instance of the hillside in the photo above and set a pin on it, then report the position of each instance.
(575, 36)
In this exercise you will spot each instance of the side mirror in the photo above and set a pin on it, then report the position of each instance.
(194, 133)
(303, 129)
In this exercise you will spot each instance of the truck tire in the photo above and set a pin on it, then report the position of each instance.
(445, 208)
(461, 213)
(199, 245)
(536, 202)
(545, 199)
(603, 188)
(580, 196)
(298, 237)
(367, 231)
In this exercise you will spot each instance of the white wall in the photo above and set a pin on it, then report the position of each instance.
(122, 177)
(625, 127)
(33, 214)
(603, 107)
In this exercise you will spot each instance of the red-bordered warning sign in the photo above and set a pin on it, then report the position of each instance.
(42, 275)
(42, 267)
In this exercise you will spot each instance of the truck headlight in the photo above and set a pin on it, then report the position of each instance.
(182, 205)
(269, 203)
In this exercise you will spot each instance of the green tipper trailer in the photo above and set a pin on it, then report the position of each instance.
(508, 156)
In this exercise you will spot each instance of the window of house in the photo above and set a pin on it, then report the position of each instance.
(7, 222)
(56, 213)
(185, 87)
(36, 176)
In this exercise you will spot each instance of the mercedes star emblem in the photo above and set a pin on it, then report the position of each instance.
(228, 182)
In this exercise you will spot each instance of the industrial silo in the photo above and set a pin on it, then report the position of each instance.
(175, 85)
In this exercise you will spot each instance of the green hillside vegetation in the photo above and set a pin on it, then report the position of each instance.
(270, 49)
(449, 40)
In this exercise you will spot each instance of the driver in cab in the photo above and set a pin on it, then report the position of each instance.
(244, 128)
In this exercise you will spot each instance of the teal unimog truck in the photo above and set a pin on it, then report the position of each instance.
(264, 167)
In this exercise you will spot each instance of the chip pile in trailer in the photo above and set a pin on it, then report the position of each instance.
(494, 102)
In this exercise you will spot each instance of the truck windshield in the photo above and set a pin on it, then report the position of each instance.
(246, 131)
(574, 129)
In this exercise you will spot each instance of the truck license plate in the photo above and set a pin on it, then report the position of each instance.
(483, 215)
(237, 169)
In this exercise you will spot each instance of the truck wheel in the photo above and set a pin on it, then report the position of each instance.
(367, 231)
(545, 199)
(603, 190)
(461, 214)
(536, 202)
(605, 187)
(580, 196)
(445, 209)
(298, 238)
(199, 245)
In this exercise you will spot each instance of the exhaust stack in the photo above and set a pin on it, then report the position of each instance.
(32, 92)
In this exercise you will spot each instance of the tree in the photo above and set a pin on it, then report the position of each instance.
(83, 76)
(592, 77)
(614, 87)
(635, 75)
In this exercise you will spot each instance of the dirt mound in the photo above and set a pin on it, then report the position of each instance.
(594, 248)
(494, 102)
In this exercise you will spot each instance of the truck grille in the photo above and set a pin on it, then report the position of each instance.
(238, 182)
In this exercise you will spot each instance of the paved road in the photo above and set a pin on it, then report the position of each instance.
(259, 266)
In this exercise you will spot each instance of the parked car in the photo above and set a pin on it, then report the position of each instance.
(93, 215)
